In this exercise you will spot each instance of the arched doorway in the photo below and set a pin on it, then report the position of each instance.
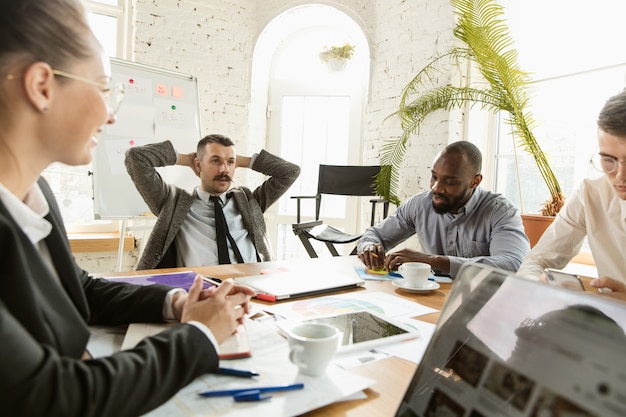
(309, 113)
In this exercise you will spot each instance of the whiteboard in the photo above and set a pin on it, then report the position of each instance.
(158, 104)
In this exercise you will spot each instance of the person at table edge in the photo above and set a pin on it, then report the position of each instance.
(596, 210)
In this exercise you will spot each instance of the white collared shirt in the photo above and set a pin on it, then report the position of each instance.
(196, 240)
(594, 211)
(29, 215)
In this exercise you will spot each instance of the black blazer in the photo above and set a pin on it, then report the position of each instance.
(43, 334)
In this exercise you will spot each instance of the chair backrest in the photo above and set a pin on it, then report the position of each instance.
(347, 180)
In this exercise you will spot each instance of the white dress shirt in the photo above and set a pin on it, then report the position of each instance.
(595, 211)
(196, 242)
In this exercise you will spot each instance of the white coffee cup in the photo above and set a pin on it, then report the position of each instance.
(415, 274)
(312, 346)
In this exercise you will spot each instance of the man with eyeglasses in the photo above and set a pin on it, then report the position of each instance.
(596, 210)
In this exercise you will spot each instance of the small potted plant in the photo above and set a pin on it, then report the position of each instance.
(336, 57)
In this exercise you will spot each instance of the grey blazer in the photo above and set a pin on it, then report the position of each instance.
(171, 204)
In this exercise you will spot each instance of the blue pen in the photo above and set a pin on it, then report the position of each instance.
(250, 396)
(234, 392)
(236, 372)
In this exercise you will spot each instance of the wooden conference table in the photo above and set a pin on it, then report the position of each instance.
(392, 375)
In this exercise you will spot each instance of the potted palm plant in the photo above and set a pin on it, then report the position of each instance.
(488, 46)
(337, 56)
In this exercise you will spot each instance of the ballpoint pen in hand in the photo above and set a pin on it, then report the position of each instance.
(235, 372)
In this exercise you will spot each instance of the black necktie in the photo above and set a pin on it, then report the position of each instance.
(222, 233)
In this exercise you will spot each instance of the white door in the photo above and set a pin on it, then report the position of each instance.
(311, 125)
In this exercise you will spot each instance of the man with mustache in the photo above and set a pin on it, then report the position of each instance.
(186, 230)
(455, 221)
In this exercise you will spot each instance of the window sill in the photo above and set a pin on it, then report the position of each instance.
(99, 242)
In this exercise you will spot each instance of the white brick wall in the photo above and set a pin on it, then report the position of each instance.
(209, 39)
(406, 36)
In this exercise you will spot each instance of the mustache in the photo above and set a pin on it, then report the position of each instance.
(440, 196)
(222, 178)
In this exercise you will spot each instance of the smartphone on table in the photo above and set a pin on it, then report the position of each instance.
(564, 279)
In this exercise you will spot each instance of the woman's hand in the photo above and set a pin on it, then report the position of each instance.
(221, 308)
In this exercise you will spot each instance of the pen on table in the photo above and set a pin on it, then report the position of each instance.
(233, 392)
(235, 372)
(212, 280)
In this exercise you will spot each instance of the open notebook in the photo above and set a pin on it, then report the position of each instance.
(507, 346)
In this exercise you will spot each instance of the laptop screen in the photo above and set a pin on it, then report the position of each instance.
(507, 346)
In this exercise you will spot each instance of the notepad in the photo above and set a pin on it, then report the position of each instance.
(235, 347)
(183, 279)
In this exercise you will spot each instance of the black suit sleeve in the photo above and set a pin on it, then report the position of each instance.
(43, 333)
(35, 380)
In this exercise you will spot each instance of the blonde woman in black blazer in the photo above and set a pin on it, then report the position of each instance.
(55, 96)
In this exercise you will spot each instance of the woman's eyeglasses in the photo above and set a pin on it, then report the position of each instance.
(113, 93)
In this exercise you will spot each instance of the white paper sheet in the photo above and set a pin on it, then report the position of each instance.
(270, 360)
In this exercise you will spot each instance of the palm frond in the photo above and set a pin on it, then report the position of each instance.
(428, 75)
(411, 117)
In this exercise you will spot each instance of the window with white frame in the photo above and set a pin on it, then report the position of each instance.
(72, 185)
(574, 71)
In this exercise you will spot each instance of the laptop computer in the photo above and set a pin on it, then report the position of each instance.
(296, 283)
(508, 346)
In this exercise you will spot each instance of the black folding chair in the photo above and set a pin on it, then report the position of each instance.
(337, 180)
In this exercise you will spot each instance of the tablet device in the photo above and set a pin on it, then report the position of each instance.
(360, 330)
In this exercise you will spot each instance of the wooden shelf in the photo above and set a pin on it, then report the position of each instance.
(99, 242)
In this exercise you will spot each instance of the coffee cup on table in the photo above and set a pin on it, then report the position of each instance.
(415, 274)
(312, 346)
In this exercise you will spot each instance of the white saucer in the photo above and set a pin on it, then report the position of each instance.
(430, 286)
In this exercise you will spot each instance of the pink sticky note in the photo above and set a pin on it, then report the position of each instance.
(161, 89)
(177, 92)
